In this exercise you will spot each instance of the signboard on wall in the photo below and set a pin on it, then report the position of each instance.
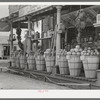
(15, 8)
(31, 9)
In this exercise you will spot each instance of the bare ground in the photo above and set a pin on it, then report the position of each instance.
(13, 81)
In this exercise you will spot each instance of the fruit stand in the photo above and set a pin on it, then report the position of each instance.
(70, 53)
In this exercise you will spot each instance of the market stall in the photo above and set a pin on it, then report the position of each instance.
(68, 41)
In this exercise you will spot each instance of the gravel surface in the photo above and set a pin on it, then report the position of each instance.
(13, 81)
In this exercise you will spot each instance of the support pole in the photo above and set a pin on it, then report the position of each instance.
(11, 41)
(66, 39)
(29, 25)
(29, 37)
(58, 39)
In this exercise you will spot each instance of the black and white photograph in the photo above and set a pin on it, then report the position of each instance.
(49, 47)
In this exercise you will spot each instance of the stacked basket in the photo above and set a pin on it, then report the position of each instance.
(62, 62)
(74, 62)
(40, 61)
(50, 59)
(31, 61)
(90, 59)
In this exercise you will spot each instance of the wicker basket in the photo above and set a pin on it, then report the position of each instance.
(75, 65)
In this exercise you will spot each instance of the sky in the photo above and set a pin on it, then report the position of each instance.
(4, 11)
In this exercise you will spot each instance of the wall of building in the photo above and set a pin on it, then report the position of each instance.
(15, 8)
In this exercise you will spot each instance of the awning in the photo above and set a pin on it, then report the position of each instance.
(4, 24)
(91, 12)
(31, 9)
(4, 27)
(18, 19)
(22, 25)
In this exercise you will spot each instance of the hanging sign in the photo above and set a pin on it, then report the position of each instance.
(97, 24)
(31, 9)
(98, 18)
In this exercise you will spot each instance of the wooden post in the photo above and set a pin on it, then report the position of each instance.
(36, 45)
(66, 39)
(11, 41)
(29, 25)
(58, 39)
(79, 36)
(29, 37)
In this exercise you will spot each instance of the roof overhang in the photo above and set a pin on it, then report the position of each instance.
(4, 27)
(68, 18)
(92, 11)
(19, 19)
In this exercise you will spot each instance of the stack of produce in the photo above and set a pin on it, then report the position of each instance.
(38, 52)
(48, 52)
(90, 59)
(75, 51)
(62, 62)
(60, 53)
(89, 52)
(74, 61)
(50, 59)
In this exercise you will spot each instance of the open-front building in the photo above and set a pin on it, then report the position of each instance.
(59, 39)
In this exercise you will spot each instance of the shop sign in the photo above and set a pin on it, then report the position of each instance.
(31, 9)
(98, 18)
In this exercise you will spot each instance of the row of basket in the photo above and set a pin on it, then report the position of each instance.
(31, 62)
(72, 64)
(19, 60)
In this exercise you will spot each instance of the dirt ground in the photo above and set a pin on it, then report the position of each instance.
(13, 81)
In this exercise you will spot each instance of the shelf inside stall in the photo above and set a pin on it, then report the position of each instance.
(41, 38)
